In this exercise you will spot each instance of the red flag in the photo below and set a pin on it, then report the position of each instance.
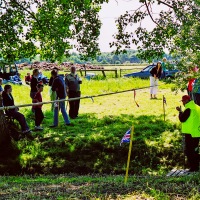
(134, 98)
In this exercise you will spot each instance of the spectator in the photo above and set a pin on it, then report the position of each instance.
(190, 119)
(52, 93)
(42, 79)
(155, 75)
(58, 85)
(73, 82)
(164, 60)
(28, 78)
(196, 91)
(191, 81)
(16, 79)
(1, 89)
(8, 100)
(33, 84)
(1, 73)
(39, 116)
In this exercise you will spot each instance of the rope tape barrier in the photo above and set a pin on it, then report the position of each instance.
(72, 99)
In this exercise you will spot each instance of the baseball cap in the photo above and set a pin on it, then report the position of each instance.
(185, 97)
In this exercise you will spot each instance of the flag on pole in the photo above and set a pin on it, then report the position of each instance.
(130, 132)
(126, 137)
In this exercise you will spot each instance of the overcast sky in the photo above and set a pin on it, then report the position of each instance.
(110, 12)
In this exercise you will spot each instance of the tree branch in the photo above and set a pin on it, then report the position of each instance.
(150, 13)
(165, 4)
(31, 14)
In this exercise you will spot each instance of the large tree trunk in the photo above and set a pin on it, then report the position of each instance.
(4, 131)
(9, 153)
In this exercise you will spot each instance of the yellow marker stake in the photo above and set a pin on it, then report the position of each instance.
(129, 155)
(164, 106)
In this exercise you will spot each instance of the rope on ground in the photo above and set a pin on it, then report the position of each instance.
(72, 99)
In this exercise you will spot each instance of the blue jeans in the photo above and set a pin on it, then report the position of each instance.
(63, 111)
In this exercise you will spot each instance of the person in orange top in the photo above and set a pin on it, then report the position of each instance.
(39, 116)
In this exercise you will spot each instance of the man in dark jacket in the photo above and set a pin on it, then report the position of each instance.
(58, 85)
(33, 85)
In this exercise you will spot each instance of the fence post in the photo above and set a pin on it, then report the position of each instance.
(103, 72)
(115, 72)
(81, 72)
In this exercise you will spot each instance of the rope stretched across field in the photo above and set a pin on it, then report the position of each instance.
(72, 99)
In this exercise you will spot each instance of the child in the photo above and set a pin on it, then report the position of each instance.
(1, 89)
(39, 116)
(28, 78)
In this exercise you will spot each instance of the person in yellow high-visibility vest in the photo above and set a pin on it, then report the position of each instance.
(190, 119)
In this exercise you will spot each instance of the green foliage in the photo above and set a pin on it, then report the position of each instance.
(48, 28)
(176, 29)
(106, 58)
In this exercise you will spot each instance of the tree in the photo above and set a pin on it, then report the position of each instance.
(176, 29)
(49, 28)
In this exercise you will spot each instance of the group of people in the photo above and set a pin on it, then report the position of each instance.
(61, 86)
(189, 118)
(69, 85)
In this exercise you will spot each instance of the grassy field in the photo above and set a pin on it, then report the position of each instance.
(92, 147)
(93, 186)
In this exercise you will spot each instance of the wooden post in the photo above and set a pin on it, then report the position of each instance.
(115, 72)
(103, 72)
(81, 72)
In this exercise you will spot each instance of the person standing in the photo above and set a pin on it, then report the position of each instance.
(196, 91)
(190, 119)
(39, 116)
(1, 89)
(191, 81)
(28, 78)
(58, 85)
(73, 82)
(33, 84)
(163, 64)
(52, 93)
(8, 100)
(155, 75)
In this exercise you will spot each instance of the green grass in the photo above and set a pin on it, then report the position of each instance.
(92, 145)
(83, 154)
(94, 186)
